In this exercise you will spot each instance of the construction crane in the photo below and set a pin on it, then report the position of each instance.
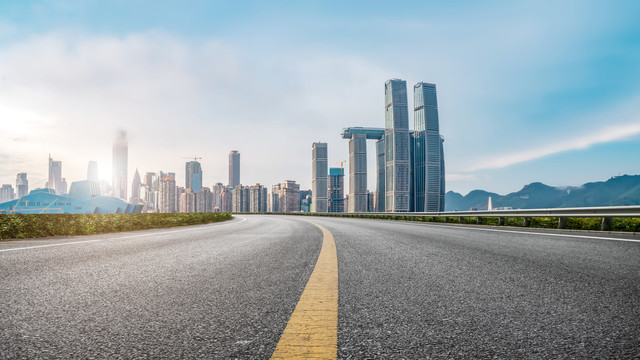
(341, 162)
(195, 158)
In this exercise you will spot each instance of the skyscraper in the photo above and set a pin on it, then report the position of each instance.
(55, 175)
(358, 164)
(193, 176)
(358, 173)
(22, 185)
(258, 202)
(167, 193)
(289, 199)
(274, 199)
(428, 150)
(188, 201)
(336, 190)
(217, 196)
(319, 177)
(120, 156)
(226, 200)
(396, 139)
(204, 201)
(6, 193)
(234, 168)
(380, 176)
(92, 171)
(135, 188)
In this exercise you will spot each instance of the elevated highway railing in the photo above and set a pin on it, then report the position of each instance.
(606, 213)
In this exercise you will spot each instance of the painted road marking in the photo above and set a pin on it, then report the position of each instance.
(117, 238)
(312, 330)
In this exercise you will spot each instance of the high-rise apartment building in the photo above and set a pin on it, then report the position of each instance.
(258, 202)
(227, 199)
(234, 168)
(22, 185)
(55, 175)
(216, 191)
(396, 140)
(193, 176)
(289, 199)
(336, 190)
(319, 177)
(428, 169)
(179, 191)
(187, 201)
(237, 198)
(6, 193)
(149, 177)
(204, 200)
(274, 199)
(167, 193)
(92, 171)
(135, 188)
(120, 158)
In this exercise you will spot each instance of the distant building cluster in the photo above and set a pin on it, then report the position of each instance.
(156, 192)
(409, 163)
(409, 175)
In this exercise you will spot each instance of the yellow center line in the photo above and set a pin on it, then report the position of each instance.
(312, 331)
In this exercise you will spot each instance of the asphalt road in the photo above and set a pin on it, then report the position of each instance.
(406, 290)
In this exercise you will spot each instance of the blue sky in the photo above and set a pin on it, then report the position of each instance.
(527, 91)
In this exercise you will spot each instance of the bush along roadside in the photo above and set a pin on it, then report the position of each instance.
(590, 223)
(18, 226)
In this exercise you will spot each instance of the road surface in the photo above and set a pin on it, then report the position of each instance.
(405, 290)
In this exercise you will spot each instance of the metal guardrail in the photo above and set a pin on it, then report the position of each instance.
(607, 213)
(604, 211)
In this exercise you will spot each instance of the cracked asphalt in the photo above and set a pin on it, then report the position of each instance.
(406, 291)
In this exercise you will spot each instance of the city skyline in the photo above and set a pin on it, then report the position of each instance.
(535, 94)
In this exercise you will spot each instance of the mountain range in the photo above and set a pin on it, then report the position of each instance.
(617, 191)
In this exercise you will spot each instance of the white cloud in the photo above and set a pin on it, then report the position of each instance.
(604, 135)
(177, 98)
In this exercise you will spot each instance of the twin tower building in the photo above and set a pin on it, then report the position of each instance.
(409, 164)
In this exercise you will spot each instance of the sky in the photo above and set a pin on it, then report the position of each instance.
(527, 91)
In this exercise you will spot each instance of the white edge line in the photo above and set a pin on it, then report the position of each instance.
(116, 238)
(535, 233)
(50, 245)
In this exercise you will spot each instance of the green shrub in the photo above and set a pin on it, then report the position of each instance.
(14, 226)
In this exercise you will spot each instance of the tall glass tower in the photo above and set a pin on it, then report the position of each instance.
(193, 176)
(234, 168)
(428, 173)
(120, 155)
(319, 177)
(396, 140)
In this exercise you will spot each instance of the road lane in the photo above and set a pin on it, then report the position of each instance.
(411, 290)
(406, 290)
(218, 292)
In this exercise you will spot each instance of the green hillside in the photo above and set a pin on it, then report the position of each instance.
(619, 190)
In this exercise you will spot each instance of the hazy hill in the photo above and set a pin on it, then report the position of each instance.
(619, 190)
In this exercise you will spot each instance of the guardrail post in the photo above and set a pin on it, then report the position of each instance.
(606, 224)
(446, 218)
(479, 219)
(527, 222)
(501, 221)
(562, 222)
